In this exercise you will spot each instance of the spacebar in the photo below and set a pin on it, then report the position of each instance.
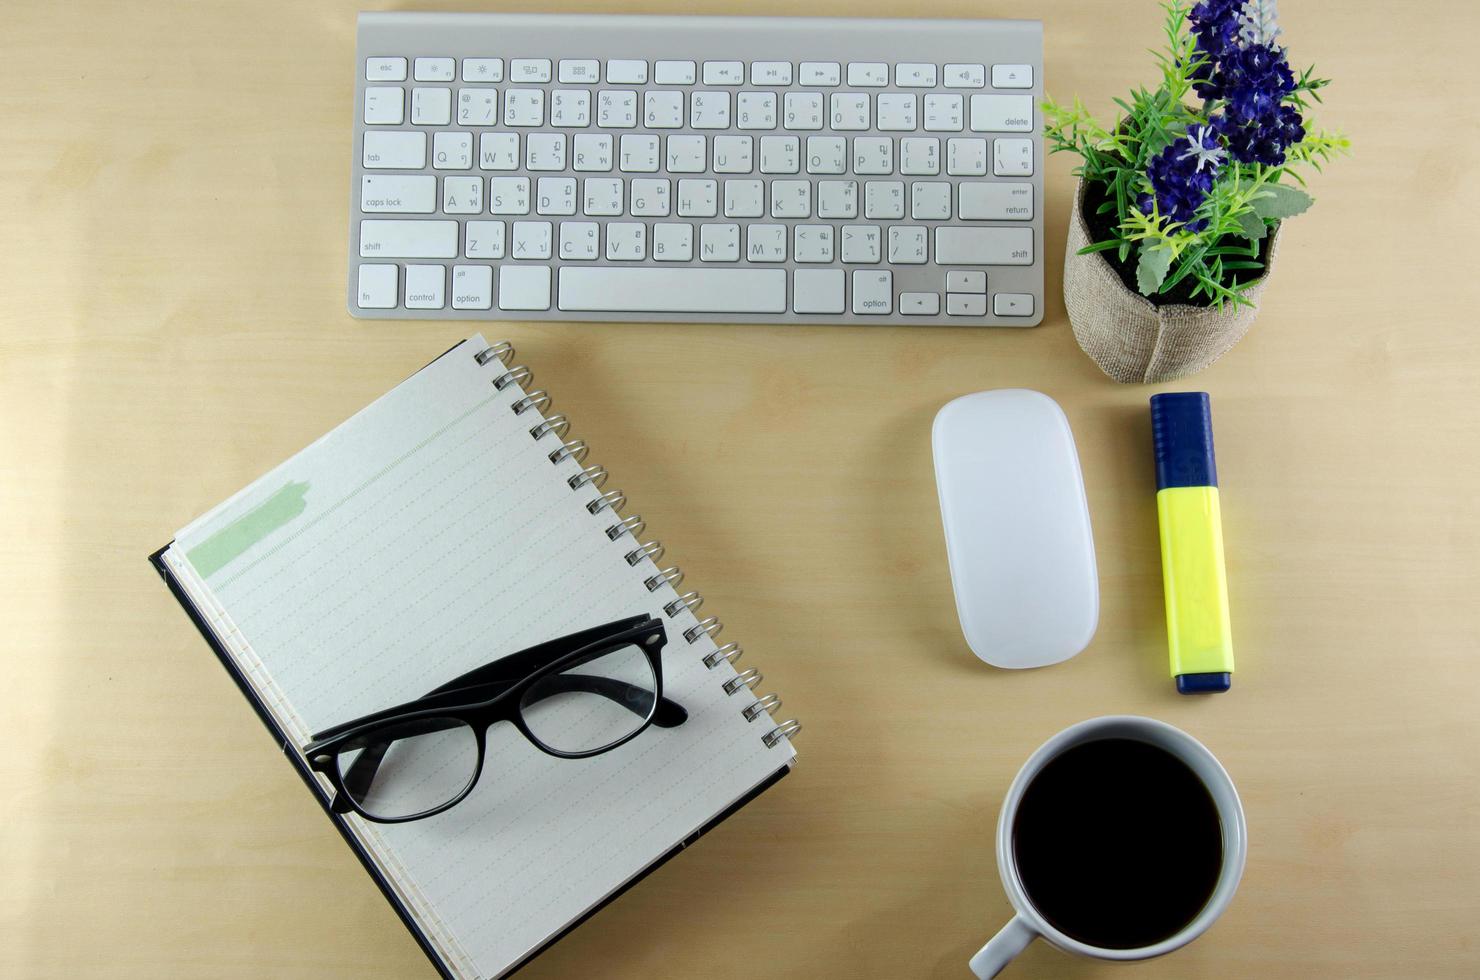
(648, 290)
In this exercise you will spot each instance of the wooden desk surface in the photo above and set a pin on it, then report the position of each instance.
(172, 323)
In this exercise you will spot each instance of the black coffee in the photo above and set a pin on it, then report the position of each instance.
(1118, 843)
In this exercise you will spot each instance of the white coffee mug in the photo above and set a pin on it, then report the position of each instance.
(1029, 924)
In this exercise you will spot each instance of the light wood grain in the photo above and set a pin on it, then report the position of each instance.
(172, 323)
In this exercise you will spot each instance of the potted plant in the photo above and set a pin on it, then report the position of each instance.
(1178, 211)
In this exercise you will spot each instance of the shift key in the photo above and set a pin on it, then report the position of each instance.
(408, 239)
(984, 246)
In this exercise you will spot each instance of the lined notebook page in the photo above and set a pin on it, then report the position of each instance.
(427, 536)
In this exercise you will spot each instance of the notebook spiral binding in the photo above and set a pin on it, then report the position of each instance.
(632, 527)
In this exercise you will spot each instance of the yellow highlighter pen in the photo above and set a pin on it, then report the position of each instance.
(1193, 575)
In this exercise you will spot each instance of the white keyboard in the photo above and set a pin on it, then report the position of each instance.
(697, 169)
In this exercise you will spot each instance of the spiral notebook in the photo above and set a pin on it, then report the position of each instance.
(451, 522)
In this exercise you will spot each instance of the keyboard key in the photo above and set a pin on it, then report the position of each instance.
(984, 246)
(908, 244)
(462, 195)
(555, 195)
(452, 151)
(570, 107)
(837, 199)
(861, 243)
(395, 151)
(508, 195)
(966, 76)
(930, 200)
(498, 151)
(477, 107)
(484, 240)
(603, 197)
(408, 239)
(673, 72)
(385, 105)
(626, 241)
(719, 243)
(822, 73)
(966, 156)
(944, 114)
(626, 72)
(919, 155)
(435, 69)
(744, 198)
(587, 72)
(966, 282)
(378, 283)
(593, 153)
(868, 74)
(662, 109)
(914, 76)
(849, 110)
(883, 199)
(638, 154)
(981, 200)
(472, 287)
(579, 240)
(919, 304)
(781, 155)
(524, 287)
(770, 73)
(483, 69)
(733, 154)
(755, 110)
(398, 194)
(873, 155)
(1002, 113)
(765, 243)
(897, 111)
(544, 151)
(524, 107)
(802, 110)
(709, 110)
(424, 286)
(616, 109)
(1012, 76)
(687, 154)
(1012, 158)
(530, 240)
(650, 197)
(791, 199)
(827, 155)
(698, 198)
(966, 304)
(1012, 304)
(431, 106)
(673, 290)
(385, 70)
(673, 241)
(529, 70)
(817, 291)
(812, 243)
(873, 292)
(724, 72)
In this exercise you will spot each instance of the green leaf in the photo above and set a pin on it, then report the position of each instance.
(1251, 226)
(1151, 269)
(1280, 201)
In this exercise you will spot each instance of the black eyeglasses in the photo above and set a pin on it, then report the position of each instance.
(573, 697)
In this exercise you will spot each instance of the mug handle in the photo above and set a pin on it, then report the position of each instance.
(993, 958)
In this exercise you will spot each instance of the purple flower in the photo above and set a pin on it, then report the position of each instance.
(1249, 76)
(1182, 175)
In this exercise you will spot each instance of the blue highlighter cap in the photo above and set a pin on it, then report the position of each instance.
(1182, 430)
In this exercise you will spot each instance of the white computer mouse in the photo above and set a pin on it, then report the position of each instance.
(1017, 527)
